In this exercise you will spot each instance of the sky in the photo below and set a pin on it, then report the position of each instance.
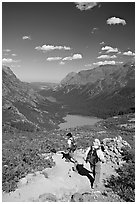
(44, 41)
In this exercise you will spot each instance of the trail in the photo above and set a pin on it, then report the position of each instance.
(58, 183)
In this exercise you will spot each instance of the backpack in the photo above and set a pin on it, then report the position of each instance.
(92, 157)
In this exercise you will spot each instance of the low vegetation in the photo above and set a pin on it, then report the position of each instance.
(22, 151)
(124, 184)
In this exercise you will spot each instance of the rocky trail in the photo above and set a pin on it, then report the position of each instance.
(62, 184)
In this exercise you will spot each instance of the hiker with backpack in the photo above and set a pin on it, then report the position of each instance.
(95, 157)
(71, 143)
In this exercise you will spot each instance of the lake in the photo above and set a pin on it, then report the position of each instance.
(72, 121)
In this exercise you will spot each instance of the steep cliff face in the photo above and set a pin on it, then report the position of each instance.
(102, 91)
(23, 108)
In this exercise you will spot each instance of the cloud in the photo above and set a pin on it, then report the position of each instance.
(83, 6)
(129, 53)
(88, 65)
(104, 63)
(107, 63)
(115, 20)
(9, 60)
(107, 57)
(54, 58)
(7, 50)
(14, 55)
(102, 43)
(119, 62)
(75, 56)
(52, 47)
(62, 63)
(109, 49)
(119, 52)
(26, 37)
(93, 30)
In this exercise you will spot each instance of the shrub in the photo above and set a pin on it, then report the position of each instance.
(124, 183)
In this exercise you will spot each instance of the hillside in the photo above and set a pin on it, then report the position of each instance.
(31, 169)
(23, 108)
(103, 91)
(30, 166)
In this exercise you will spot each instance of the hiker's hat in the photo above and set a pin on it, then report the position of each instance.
(69, 134)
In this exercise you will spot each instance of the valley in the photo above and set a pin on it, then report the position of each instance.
(68, 101)
(35, 115)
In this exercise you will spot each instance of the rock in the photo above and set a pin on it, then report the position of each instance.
(23, 181)
(77, 197)
(88, 197)
(53, 150)
(44, 173)
(47, 197)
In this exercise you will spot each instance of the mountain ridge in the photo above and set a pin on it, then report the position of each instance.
(23, 108)
(102, 92)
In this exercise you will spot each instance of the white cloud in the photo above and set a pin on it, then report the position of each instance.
(129, 53)
(88, 65)
(8, 60)
(7, 50)
(107, 57)
(107, 63)
(62, 63)
(54, 58)
(93, 30)
(119, 62)
(109, 49)
(83, 6)
(26, 37)
(104, 63)
(52, 47)
(75, 56)
(119, 52)
(102, 43)
(14, 55)
(115, 20)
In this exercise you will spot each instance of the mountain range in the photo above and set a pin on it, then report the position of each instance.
(104, 91)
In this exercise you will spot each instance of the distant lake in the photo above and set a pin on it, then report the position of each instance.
(77, 120)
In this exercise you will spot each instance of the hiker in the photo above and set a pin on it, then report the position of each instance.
(95, 156)
(71, 143)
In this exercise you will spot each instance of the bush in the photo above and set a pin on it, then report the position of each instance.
(124, 183)
(20, 158)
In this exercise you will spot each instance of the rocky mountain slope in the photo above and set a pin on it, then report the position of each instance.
(103, 91)
(23, 108)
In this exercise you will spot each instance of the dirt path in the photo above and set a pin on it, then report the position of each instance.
(59, 182)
